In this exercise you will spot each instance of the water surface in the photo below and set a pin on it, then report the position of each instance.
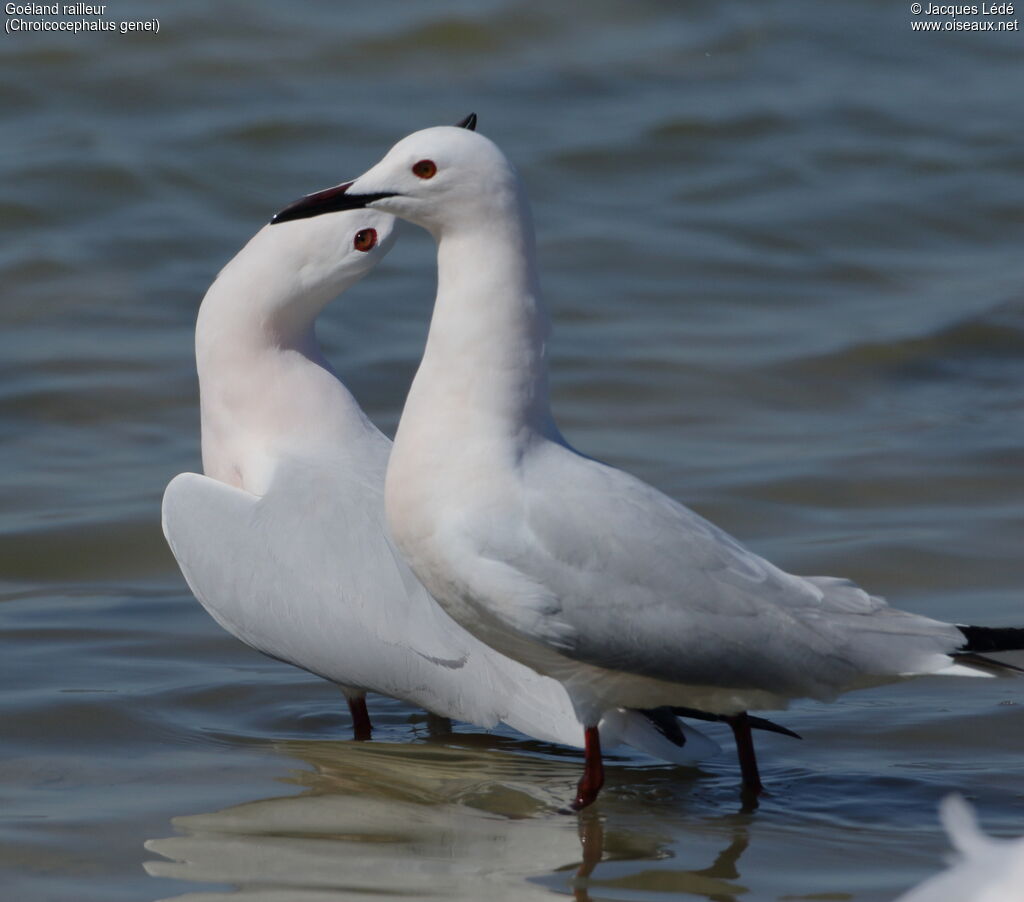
(782, 246)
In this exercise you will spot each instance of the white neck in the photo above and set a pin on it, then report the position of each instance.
(264, 385)
(485, 362)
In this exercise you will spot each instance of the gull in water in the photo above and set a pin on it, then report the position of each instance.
(982, 870)
(575, 568)
(284, 541)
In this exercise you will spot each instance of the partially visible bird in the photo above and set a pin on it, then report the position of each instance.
(981, 869)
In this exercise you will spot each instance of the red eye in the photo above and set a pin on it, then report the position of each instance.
(365, 240)
(424, 169)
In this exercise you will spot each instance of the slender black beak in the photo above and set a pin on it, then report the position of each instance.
(331, 200)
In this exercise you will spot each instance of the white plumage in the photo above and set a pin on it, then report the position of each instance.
(981, 870)
(284, 541)
(573, 567)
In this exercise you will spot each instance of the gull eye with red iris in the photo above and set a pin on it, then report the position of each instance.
(365, 240)
(424, 169)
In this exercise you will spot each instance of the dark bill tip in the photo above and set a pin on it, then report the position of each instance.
(469, 122)
(331, 200)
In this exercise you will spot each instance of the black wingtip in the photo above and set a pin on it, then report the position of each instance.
(761, 723)
(664, 721)
(756, 723)
(988, 665)
(469, 122)
(992, 638)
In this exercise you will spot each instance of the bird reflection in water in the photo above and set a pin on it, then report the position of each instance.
(708, 883)
(474, 818)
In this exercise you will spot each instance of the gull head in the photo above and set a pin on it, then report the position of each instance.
(439, 178)
(321, 257)
(287, 274)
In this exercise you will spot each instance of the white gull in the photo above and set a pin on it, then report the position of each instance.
(575, 568)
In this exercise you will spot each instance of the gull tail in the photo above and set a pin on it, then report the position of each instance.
(987, 639)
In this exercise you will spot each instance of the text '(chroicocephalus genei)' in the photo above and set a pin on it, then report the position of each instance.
(284, 540)
(573, 567)
(982, 870)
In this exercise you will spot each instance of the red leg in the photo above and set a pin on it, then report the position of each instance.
(593, 770)
(362, 729)
(740, 724)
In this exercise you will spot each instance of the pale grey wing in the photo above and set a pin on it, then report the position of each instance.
(647, 586)
(308, 576)
(197, 514)
(315, 582)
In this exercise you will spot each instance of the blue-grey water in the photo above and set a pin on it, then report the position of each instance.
(782, 243)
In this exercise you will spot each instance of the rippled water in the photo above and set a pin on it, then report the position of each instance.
(782, 243)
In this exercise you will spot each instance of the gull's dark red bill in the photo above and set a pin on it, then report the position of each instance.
(330, 200)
